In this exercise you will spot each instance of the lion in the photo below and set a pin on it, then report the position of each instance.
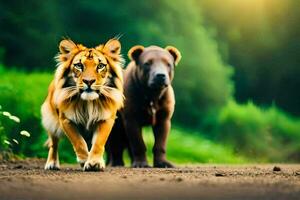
(82, 101)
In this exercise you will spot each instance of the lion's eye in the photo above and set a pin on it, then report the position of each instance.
(78, 66)
(101, 66)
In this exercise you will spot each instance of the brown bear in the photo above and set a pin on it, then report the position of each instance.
(149, 100)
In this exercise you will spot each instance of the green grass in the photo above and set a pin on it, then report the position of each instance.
(190, 147)
(239, 133)
(22, 94)
(266, 134)
(184, 147)
(187, 147)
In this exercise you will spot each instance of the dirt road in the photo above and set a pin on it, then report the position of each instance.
(27, 180)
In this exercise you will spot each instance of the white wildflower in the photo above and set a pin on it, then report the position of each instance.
(15, 118)
(6, 142)
(15, 141)
(7, 114)
(25, 133)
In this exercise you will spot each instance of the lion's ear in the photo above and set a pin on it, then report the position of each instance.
(66, 46)
(175, 53)
(135, 52)
(112, 47)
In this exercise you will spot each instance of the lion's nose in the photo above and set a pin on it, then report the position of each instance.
(89, 82)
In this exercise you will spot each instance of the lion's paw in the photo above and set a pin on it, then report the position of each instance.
(52, 165)
(94, 165)
(81, 161)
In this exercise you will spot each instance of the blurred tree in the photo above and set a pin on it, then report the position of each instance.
(261, 40)
(31, 31)
(258, 37)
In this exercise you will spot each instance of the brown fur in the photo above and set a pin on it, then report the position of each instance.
(149, 101)
(82, 101)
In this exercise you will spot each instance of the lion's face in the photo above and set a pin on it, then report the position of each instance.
(90, 71)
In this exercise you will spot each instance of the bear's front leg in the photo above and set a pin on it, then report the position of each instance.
(137, 146)
(161, 131)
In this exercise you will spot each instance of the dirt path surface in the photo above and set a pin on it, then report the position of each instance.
(27, 180)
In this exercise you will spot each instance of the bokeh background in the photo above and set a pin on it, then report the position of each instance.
(237, 96)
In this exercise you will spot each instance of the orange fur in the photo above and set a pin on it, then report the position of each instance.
(87, 91)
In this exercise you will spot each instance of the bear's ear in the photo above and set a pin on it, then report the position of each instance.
(175, 53)
(112, 47)
(135, 52)
(66, 46)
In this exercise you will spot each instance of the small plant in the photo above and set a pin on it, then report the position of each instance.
(7, 142)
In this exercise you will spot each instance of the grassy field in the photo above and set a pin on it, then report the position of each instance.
(239, 133)
(186, 147)
(22, 95)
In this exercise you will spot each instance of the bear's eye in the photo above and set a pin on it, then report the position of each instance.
(148, 63)
(101, 66)
(169, 64)
(79, 66)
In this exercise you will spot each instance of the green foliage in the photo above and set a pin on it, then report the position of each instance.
(260, 39)
(8, 120)
(3, 146)
(202, 80)
(263, 134)
(2, 50)
(259, 134)
(186, 146)
(23, 94)
(202, 71)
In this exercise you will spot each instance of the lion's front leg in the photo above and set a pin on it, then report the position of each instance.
(95, 161)
(79, 145)
(52, 160)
